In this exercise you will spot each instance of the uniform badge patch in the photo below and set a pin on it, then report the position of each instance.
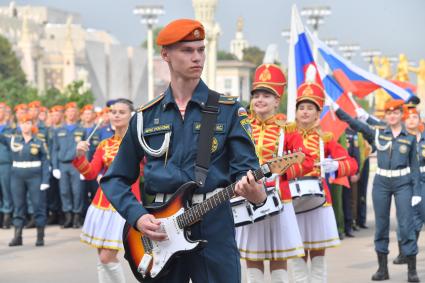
(34, 150)
(242, 112)
(402, 149)
(423, 153)
(246, 125)
(77, 138)
(214, 144)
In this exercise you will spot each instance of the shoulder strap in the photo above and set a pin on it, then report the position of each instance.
(208, 121)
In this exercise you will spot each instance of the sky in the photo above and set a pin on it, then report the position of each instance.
(391, 26)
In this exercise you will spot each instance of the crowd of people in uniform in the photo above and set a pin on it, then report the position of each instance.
(52, 162)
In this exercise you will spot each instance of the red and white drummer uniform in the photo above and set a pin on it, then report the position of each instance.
(318, 227)
(103, 225)
(276, 237)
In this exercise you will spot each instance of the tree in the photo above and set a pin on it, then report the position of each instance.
(10, 67)
(156, 48)
(254, 55)
(13, 92)
(79, 93)
(224, 55)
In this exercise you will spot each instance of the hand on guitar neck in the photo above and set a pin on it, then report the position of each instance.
(247, 187)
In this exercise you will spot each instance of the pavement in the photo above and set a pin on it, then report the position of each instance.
(65, 259)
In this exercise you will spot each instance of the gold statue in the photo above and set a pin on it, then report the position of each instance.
(383, 69)
(403, 69)
(420, 79)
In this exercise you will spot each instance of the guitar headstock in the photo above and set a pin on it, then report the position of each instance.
(279, 165)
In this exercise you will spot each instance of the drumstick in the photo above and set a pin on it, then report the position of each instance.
(94, 130)
(336, 159)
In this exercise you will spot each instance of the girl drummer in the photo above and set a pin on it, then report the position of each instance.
(277, 237)
(103, 225)
(318, 227)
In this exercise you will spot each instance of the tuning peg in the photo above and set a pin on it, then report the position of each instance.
(289, 152)
(300, 149)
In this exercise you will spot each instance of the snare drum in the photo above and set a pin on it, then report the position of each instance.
(307, 194)
(244, 212)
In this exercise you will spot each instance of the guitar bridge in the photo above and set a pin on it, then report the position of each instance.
(144, 264)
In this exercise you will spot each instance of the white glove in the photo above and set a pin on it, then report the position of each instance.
(330, 165)
(362, 115)
(56, 173)
(416, 200)
(82, 178)
(44, 187)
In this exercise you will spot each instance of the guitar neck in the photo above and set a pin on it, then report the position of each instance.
(195, 213)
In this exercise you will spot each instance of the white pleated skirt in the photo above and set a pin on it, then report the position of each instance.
(274, 238)
(103, 228)
(318, 228)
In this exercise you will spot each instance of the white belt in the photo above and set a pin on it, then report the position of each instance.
(393, 173)
(422, 169)
(26, 164)
(196, 198)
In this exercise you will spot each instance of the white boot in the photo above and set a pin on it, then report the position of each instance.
(102, 274)
(299, 270)
(255, 275)
(279, 276)
(318, 270)
(115, 272)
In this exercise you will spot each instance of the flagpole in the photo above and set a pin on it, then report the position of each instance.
(292, 79)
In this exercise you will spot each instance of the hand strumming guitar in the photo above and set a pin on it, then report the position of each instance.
(248, 188)
(150, 226)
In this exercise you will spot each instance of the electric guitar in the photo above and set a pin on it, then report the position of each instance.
(148, 259)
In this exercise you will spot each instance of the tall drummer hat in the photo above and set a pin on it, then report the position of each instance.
(311, 90)
(269, 77)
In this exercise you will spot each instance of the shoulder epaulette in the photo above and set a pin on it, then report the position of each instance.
(290, 127)
(327, 136)
(227, 99)
(151, 103)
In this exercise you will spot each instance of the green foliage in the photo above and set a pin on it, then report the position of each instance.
(13, 92)
(224, 55)
(156, 48)
(10, 67)
(254, 55)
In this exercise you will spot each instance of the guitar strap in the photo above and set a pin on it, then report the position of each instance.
(208, 122)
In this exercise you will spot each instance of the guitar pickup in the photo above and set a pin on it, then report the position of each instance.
(144, 264)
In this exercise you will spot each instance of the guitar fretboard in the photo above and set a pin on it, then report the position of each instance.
(195, 213)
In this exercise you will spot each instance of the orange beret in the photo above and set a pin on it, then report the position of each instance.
(71, 105)
(34, 104)
(180, 30)
(87, 107)
(393, 104)
(105, 110)
(43, 109)
(25, 118)
(409, 110)
(20, 107)
(57, 108)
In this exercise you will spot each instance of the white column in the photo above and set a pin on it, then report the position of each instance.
(150, 64)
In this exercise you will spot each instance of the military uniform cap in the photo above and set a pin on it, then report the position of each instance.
(25, 118)
(180, 30)
(71, 105)
(393, 104)
(269, 77)
(20, 107)
(89, 107)
(34, 104)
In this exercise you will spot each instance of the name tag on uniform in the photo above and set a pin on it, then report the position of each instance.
(219, 128)
(385, 138)
(404, 141)
(61, 134)
(157, 129)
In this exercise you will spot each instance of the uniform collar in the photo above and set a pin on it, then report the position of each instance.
(199, 96)
(403, 131)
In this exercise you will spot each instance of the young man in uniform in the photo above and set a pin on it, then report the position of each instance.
(178, 113)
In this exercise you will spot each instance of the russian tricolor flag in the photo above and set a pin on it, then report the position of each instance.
(300, 57)
(354, 79)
